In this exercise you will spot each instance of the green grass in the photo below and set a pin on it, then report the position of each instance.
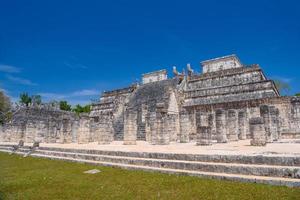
(42, 179)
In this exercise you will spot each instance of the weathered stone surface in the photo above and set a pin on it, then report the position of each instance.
(42, 123)
(221, 126)
(104, 130)
(130, 127)
(274, 123)
(185, 127)
(204, 136)
(232, 125)
(162, 136)
(258, 131)
(242, 125)
(83, 134)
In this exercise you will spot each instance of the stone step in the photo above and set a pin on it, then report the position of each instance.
(5, 150)
(9, 148)
(291, 182)
(281, 160)
(222, 176)
(232, 168)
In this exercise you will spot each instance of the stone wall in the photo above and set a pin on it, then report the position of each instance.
(154, 76)
(220, 64)
(111, 107)
(43, 123)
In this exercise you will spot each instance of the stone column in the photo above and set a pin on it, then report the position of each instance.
(105, 130)
(274, 123)
(202, 119)
(162, 134)
(130, 127)
(295, 114)
(41, 131)
(242, 121)
(83, 131)
(204, 135)
(51, 133)
(221, 126)
(74, 130)
(258, 131)
(265, 114)
(30, 133)
(67, 131)
(232, 125)
(185, 126)
(151, 127)
(278, 122)
(203, 123)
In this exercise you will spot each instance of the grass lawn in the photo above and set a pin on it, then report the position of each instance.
(42, 179)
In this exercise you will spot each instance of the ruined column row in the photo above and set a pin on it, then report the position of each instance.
(266, 128)
(234, 125)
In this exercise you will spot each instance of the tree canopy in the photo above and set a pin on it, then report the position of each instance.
(5, 105)
(63, 105)
(82, 109)
(4, 102)
(25, 98)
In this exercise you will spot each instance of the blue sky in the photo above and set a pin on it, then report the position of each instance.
(74, 50)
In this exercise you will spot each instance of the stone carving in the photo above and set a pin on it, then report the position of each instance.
(175, 72)
(189, 69)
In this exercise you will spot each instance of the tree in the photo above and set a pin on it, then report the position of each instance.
(82, 109)
(282, 86)
(36, 99)
(87, 108)
(297, 95)
(4, 102)
(63, 105)
(25, 98)
(5, 105)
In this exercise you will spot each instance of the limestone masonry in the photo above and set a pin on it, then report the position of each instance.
(227, 102)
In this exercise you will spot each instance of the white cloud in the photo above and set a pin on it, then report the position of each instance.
(85, 93)
(21, 81)
(77, 97)
(9, 69)
(53, 96)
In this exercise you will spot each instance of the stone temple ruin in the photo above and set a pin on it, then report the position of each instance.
(227, 102)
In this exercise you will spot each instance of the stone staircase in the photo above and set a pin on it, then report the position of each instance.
(267, 169)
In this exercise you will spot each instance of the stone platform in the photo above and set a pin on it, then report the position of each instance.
(276, 164)
(242, 147)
